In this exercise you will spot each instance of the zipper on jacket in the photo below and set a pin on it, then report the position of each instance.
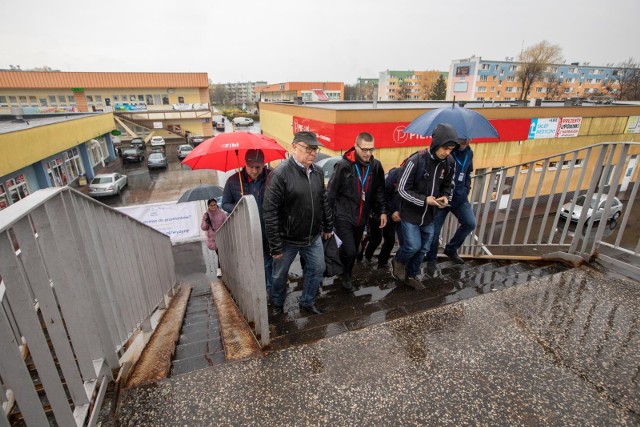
(312, 207)
(433, 187)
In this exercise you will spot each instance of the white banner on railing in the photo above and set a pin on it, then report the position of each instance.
(179, 221)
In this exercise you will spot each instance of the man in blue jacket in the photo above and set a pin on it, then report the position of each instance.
(459, 206)
(425, 186)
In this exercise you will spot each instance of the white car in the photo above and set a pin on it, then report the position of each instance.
(242, 121)
(157, 141)
(184, 150)
(595, 208)
(107, 184)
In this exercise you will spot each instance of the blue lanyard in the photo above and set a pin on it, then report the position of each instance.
(462, 165)
(362, 181)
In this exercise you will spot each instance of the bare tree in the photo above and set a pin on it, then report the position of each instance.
(403, 91)
(350, 92)
(628, 79)
(533, 63)
(218, 94)
(43, 68)
(553, 87)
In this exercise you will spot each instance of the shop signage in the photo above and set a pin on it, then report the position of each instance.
(179, 221)
(633, 125)
(554, 127)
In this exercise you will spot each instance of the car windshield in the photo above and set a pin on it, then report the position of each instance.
(132, 151)
(156, 156)
(102, 180)
(581, 199)
(186, 148)
(136, 141)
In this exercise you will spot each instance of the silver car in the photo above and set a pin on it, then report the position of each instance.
(107, 184)
(595, 208)
(184, 150)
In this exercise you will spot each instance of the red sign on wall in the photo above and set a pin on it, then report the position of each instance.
(390, 134)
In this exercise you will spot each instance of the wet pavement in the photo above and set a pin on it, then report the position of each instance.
(558, 350)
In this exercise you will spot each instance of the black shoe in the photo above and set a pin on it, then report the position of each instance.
(346, 282)
(453, 256)
(432, 267)
(311, 309)
(277, 309)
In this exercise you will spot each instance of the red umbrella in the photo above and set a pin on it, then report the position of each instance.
(226, 151)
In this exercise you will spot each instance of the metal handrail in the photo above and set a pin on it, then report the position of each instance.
(518, 208)
(83, 276)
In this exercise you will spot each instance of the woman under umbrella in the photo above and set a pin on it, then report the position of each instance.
(211, 221)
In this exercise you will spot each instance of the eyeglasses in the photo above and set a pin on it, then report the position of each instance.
(366, 150)
(309, 149)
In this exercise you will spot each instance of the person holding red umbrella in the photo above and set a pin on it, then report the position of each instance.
(297, 217)
(251, 181)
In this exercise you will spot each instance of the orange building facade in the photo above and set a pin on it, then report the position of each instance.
(301, 91)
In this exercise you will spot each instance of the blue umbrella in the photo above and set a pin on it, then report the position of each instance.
(468, 123)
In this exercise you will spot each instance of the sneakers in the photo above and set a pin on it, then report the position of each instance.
(453, 256)
(414, 283)
(398, 270)
(219, 272)
(432, 267)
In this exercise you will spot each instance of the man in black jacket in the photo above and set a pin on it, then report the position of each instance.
(425, 186)
(296, 215)
(356, 188)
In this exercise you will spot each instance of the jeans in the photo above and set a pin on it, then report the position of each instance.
(375, 237)
(467, 220)
(313, 269)
(351, 237)
(268, 267)
(416, 240)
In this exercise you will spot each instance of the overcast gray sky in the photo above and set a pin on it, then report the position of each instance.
(300, 40)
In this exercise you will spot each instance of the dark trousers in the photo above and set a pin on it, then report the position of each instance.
(376, 234)
(351, 237)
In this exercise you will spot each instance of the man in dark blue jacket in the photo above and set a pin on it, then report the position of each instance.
(459, 206)
(425, 186)
(254, 176)
(356, 189)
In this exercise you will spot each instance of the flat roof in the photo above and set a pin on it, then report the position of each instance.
(411, 105)
(9, 123)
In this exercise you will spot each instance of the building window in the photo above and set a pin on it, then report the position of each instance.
(540, 90)
(568, 90)
(149, 99)
(17, 188)
(56, 172)
(72, 100)
(484, 78)
(571, 80)
(33, 101)
(43, 102)
(52, 101)
(4, 198)
(512, 68)
(486, 66)
(13, 101)
(73, 163)
(98, 98)
(596, 72)
(23, 101)
(157, 99)
(482, 89)
(90, 99)
(62, 99)
(511, 78)
(573, 70)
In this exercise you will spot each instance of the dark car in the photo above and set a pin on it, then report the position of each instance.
(220, 126)
(157, 160)
(132, 155)
(197, 140)
(138, 142)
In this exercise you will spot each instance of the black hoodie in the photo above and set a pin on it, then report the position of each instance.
(423, 175)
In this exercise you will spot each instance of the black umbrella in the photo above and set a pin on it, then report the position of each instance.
(201, 192)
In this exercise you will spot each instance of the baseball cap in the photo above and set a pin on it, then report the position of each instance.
(307, 137)
(254, 157)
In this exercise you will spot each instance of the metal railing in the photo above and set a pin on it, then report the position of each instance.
(240, 247)
(519, 209)
(78, 278)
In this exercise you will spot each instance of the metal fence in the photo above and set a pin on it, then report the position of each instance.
(240, 247)
(78, 278)
(519, 209)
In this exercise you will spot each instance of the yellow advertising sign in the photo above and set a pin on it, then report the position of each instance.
(633, 125)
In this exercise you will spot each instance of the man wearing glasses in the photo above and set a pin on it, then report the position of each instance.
(297, 217)
(254, 177)
(356, 188)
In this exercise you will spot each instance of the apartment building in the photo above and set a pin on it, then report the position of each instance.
(304, 91)
(406, 85)
(167, 104)
(475, 79)
(242, 92)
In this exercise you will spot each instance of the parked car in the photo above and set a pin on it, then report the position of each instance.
(595, 208)
(197, 140)
(220, 126)
(242, 121)
(158, 149)
(184, 150)
(327, 165)
(157, 160)
(132, 155)
(107, 184)
(156, 141)
(138, 142)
